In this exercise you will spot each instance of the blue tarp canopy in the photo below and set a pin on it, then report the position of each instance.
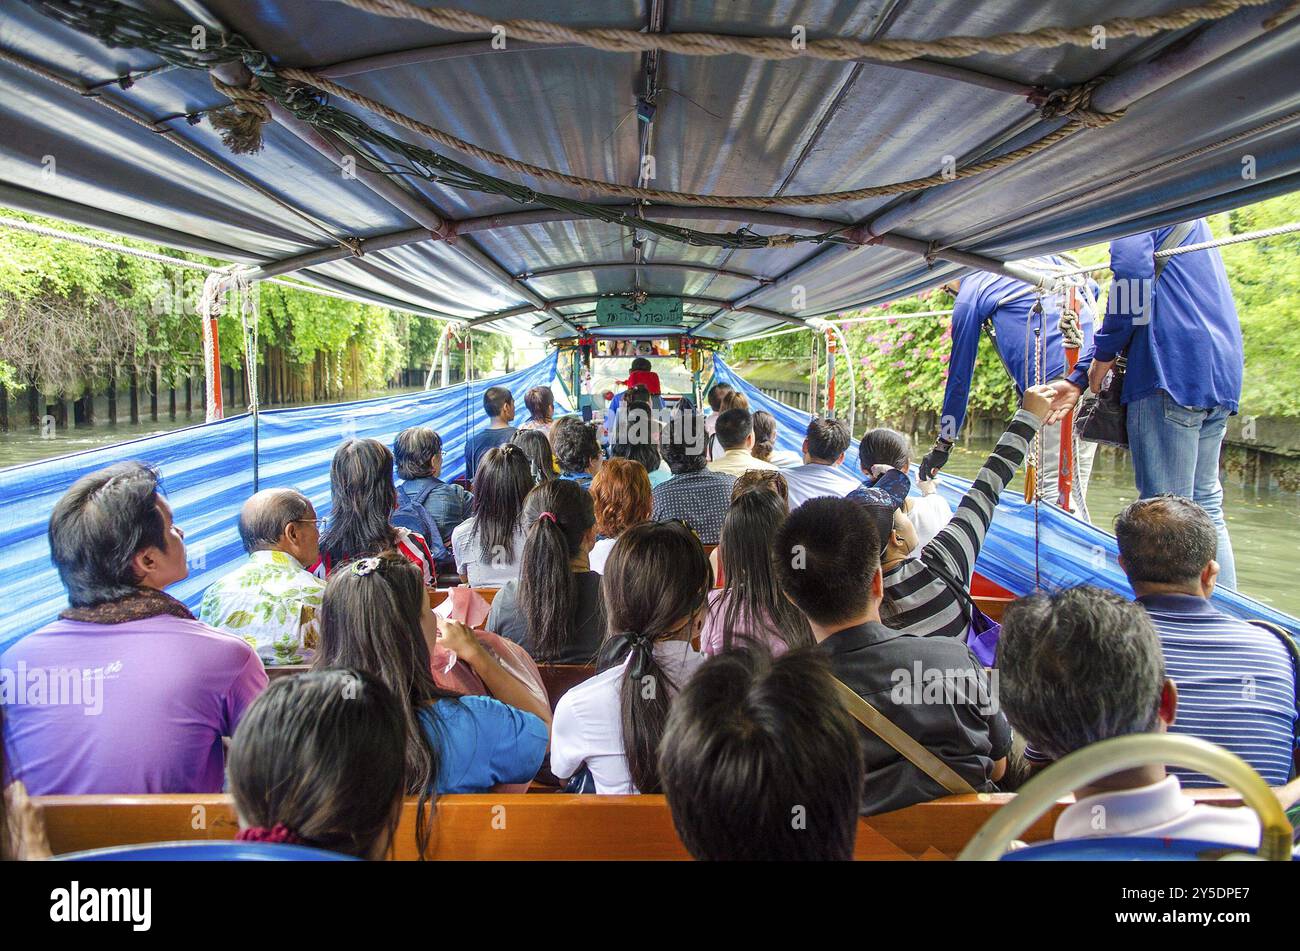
(1224, 90)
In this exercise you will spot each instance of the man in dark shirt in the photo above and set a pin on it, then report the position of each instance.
(828, 560)
(694, 495)
(499, 405)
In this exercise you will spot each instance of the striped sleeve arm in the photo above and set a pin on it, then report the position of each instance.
(958, 545)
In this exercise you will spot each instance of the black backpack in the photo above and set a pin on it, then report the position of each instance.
(412, 515)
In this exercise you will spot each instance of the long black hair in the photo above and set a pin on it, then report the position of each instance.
(751, 595)
(323, 754)
(362, 500)
(538, 449)
(370, 620)
(559, 514)
(503, 480)
(655, 582)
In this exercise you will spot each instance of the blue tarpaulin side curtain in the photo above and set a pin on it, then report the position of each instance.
(207, 473)
(1070, 551)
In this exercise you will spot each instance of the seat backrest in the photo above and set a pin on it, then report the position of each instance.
(559, 678)
(516, 826)
(287, 670)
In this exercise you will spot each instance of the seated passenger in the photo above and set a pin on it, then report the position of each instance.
(554, 609)
(655, 583)
(822, 472)
(577, 449)
(488, 546)
(889, 447)
(540, 402)
(363, 499)
(621, 497)
(1236, 681)
(126, 692)
(765, 480)
(735, 433)
(1083, 665)
(760, 761)
(499, 408)
(765, 442)
(696, 496)
(750, 607)
(541, 460)
(932, 688)
(920, 595)
(272, 601)
(637, 436)
(376, 619)
(714, 396)
(320, 760)
(418, 454)
(732, 399)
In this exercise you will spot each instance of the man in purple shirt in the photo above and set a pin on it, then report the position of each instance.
(126, 692)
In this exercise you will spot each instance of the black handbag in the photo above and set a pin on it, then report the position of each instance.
(1104, 418)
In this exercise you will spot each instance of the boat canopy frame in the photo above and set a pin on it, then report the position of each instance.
(398, 239)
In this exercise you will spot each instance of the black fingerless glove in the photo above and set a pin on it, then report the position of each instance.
(935, 460)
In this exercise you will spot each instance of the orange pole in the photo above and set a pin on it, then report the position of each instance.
(216, 410)
(1065, 475)
(830, 373)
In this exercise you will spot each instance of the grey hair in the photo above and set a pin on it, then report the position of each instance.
(413, 451)
(1166, 539)
(1079, 666)
(265, 516)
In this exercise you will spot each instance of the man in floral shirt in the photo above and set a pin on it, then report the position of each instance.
(272, 601)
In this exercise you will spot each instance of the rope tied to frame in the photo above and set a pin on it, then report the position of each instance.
(1071, 331)
(1076, 103)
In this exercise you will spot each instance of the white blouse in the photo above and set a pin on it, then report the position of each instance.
(588, 725)
(480, 567)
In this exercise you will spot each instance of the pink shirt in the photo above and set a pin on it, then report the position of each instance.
(137, 707)
(712, 629)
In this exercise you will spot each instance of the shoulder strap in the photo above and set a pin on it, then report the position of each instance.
(1172, 240)
(901, 741)
(1294, 650)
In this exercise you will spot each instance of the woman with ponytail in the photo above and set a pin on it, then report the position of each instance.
(655, 584)
(554, 610)
(750, 607)
(765, 443)
(487, 547)
(375, 618)
(319, 759)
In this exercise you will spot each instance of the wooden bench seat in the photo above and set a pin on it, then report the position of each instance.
(531, 827)
(507, 826)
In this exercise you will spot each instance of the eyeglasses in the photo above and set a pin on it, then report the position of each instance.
(320, 522)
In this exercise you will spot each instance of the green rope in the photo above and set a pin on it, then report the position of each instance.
(116, 25)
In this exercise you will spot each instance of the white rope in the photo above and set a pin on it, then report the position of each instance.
(1203, 246)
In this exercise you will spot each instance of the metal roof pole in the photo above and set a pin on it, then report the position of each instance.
(540, 216)
(430, 54)
(644, 266)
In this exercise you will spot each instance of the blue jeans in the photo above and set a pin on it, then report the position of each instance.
(1176, 449)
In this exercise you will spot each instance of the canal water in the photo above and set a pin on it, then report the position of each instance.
(1265, 527)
